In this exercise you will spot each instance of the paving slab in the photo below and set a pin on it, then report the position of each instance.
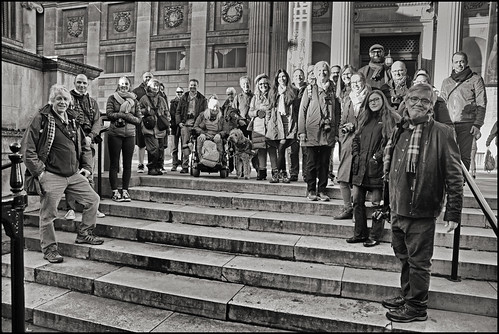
(32, 260)
(79, 312)
(34, 296)
(176, 293)
(286, 275)
(179, 323)
(295, 311)
(29, 327)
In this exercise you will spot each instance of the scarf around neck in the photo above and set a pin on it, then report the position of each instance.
(125, 100)
(357, 99)
(378, 70)
(463, 75)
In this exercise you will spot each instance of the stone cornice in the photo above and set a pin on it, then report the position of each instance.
(24, 58)
(359, 5)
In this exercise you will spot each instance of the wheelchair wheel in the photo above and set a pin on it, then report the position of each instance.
(195, 172)
(224, 173)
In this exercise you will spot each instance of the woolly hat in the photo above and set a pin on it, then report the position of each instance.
(376, 46)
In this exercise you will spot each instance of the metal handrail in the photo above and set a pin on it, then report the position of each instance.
(489, 214)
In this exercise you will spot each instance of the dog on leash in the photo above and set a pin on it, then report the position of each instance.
(243, 152)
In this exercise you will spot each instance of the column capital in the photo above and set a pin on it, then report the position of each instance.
(32, 5)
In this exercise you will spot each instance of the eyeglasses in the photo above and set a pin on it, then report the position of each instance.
(374, 100)
(263, 84)
(424, 102)
(179, 92)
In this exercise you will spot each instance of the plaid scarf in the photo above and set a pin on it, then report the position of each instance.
(414, 143)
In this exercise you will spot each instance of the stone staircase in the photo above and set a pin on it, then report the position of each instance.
(211, 254)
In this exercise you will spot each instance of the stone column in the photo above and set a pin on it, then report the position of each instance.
(29, 25)
(279, 41)
(143, 41)
(49, 34)
(197, 61)
(341, 33)
(299, 36)
(258, 60)
(449, 39)
(93, 42)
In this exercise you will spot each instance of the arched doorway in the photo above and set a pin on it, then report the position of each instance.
(320, 51)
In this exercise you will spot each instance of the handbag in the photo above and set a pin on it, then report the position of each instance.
(149, 122)
(163, 123)
(490, 163)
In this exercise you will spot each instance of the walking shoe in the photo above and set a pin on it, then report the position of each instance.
(311, 196)
(53, 257)
(323, 197)
(88, 239)
(354, 240)
(394, 302)
(275, 177)
(283, 177)
(100, 214)
(174, 168)
(140, 169)
(154, 171)
(371, 243)
(345, 214)
(126, 196)
(406, 314)
(70, 215)
(293, 178)
(184, 171)
(117, 196)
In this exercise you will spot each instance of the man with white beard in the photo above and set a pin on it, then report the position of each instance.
(396, 88)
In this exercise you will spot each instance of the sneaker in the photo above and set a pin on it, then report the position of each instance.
(354, 240)
(117, 196)
(184, 171)
(174, 169)
(126, 196)
(345, 214)
(140, 169)
(100, 214)
(323, 197)
(70, 215)
(311, 196)
(53, 257)
(395, 302)
(154, 171)
(88, 239)
(283, 177)
(406, 314)
(275, 177)
(371, 243)
(293, 178)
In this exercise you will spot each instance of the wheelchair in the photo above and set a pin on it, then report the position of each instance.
(197, 167)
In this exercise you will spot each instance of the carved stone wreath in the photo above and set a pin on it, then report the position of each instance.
(322, 9)
(75, 26)
(232, 11)
(122, 21)
(173, 16)
(473, 5)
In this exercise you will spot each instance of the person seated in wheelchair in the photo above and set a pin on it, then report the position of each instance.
(209, 126)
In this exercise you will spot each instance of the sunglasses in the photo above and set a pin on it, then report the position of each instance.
(178, 92)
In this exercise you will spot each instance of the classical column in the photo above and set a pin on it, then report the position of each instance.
(93, 42)
(29, 25)
(49, 33)
(299, 36)
(341, 33)
(279, 41)
(258, 59)
(197, 61)
(449, 39)
(143, 41)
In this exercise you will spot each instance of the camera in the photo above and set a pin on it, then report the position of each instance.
(346, 129)
(190, 116)
(380, 214)
(326, 124)
(119, 123)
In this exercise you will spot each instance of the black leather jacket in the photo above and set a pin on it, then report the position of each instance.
(439, 171)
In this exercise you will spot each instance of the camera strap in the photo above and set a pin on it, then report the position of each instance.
(323, 116)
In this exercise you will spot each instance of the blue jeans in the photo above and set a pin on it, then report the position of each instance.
(117, 145)
(412, 242)
(53, 187)
(360, 216)
(464, 140)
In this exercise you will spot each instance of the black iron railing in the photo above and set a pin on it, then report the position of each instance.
(13, 220)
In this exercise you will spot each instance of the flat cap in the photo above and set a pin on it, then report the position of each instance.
(376, 46)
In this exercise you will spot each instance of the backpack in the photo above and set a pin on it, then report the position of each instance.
(490, 163)
(209, 154)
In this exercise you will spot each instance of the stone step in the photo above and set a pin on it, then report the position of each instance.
(477, 297)
(70, 311)
(289, 223)
(252, 186)
(141, 300)
(264, 202)
(472, 264)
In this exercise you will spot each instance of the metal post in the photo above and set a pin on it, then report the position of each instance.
(13, 220)
(455, 255)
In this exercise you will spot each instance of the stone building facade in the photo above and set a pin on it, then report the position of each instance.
(217, 42)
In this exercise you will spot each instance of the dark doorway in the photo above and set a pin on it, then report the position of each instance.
(401, 47)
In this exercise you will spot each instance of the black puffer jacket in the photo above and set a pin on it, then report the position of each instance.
(438, 172)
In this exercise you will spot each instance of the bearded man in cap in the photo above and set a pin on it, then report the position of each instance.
(376, 72)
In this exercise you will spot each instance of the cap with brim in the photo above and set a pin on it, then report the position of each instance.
(376, 46)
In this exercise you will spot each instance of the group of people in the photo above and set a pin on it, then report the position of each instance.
(399, 140)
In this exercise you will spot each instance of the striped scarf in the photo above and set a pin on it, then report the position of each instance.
(418, 125)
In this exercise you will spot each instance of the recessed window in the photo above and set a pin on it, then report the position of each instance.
(170, 59)
(119, 62)
(229, 56)
(9, 19)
